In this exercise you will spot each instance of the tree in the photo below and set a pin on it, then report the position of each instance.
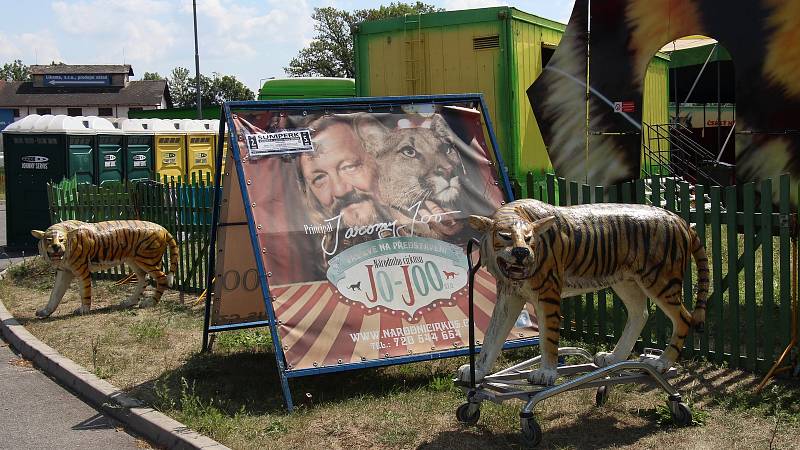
(15, 71)
(330, 53)
(152, 76)
(214, 90)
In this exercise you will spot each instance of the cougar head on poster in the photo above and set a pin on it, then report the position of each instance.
(419, 166)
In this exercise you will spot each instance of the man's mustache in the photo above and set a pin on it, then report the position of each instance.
(351, 198)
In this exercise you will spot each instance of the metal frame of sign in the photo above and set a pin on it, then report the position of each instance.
(331, 104)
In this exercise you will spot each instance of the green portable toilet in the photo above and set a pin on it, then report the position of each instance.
(32, 159)
(77, 140)
(138, 150)
(110, 157)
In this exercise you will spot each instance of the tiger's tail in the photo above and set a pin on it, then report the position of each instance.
(173, 259)
(703, 277)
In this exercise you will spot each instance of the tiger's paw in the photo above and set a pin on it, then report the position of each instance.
(463, 374)
(544, 377)
(128, 302)
(42, 313)
(83, 309)
(147, 302)
(660, 364)
(603, 359)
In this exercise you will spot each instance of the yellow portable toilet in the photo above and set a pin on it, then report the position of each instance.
(214, 126)
(199, 149)
(170, 145)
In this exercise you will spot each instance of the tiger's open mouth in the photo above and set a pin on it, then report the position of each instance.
(511, 270)
(56, 256)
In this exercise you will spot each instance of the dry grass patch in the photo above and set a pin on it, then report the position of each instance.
(233, 394)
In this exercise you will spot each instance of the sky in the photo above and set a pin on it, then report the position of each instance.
(250, 39)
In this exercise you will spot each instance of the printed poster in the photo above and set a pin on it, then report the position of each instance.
(361, 222)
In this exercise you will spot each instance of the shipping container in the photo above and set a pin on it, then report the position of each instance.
(496, 51)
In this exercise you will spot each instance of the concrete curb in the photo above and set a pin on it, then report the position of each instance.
(154, 426)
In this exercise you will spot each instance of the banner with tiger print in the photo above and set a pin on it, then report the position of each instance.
(761, 38)
(360, 217)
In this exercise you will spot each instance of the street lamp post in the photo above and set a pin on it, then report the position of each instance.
(197, 63)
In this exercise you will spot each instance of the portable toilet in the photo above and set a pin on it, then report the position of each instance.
(80, 144)
(139, 144)
(39, 150)
(110, 155)
(214, 126)
(170, 148)
(199, 149)
(31, 161)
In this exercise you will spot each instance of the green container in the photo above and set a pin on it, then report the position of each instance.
(209, 112)
(33, 158)
(497, 51)
(307, 87)
(138, 150)
(110, 155)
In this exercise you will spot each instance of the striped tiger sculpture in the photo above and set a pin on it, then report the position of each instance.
(78, 248)
(540, 253)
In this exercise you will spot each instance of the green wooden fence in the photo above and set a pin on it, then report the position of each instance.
(182, 207)
(749, 244)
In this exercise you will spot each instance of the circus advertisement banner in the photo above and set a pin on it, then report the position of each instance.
(360, 221)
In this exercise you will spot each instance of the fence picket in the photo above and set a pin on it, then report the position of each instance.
(686, 212)
(700, 220)
(572, 303)
(601, 294)
(717, 300)
(767, 285)
(733, 278)
(750, 274)
(784, 315)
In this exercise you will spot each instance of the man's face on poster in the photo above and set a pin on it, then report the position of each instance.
(341, 176)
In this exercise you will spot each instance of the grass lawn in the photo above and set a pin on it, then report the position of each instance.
(233, 393)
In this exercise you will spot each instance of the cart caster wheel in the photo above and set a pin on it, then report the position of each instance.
(681, 414)
(601, 397)
(531, 432)
(468, 413)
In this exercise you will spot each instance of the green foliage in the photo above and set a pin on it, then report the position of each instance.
(663, 417)
(214, 90)
(148, 331)
(244, 340)
(152, 76)
(15, 71)
(330, 53)
(442, 384)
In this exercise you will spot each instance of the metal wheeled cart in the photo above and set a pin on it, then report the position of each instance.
(512, 383)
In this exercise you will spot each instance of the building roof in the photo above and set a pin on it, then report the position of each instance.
(136, 93)
(68, 69)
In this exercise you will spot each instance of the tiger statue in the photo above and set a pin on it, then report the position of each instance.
(540, 253)
(78, 248)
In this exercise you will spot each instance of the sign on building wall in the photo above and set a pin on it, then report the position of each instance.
(77, 80)
(6, 117)
(345, 227)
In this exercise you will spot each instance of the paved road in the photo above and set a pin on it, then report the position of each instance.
(37, 413)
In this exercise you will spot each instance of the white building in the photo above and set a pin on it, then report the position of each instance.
(83, 90)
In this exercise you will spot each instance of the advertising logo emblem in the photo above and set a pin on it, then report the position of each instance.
(402, 274)
(35, 162)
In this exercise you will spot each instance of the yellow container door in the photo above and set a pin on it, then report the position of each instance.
(170, 155)
(200, 156)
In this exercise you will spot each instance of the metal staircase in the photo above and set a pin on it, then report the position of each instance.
(670, 150)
